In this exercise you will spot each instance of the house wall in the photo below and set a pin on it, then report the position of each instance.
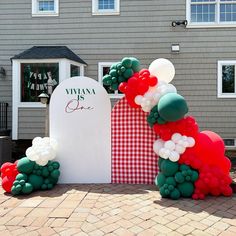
(143, 29)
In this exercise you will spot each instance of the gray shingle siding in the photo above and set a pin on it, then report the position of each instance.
(143, 29)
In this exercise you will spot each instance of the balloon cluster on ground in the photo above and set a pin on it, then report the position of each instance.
(191, 163)
(27, 175)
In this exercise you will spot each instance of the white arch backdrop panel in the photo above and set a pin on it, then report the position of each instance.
(80, 120)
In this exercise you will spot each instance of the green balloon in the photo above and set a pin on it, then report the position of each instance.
(160, 160)
(113, 73)
(128, 73)
(44, 187)
(194, 176)
(45, 172)
(114, 80)
(27, 188)
(135, 64)
(179, 177)
(16, 182)
(56, 165)
(25, 165)
(186, 189)
(172, 107)
(171, 181)
(121, 79)
(122, 69)
(107, 80)
(36, 181)
(114, 66)
(187, 178)
(15, 191)
(171, 187)
(160, 121)
(114, 86)
(55, 174)
(53, 180)
(169, 168)
(163, 192)
(18, 187)
(161, 179)
(50, 186)
(184, 167)
(118, 66)
(21, 176)
(50, 168)
(127, 62)
(22, 182)
(175, 194)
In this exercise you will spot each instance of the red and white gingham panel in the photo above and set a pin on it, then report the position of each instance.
(133, 158)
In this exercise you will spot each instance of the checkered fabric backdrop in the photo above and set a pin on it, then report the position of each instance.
(133, 158)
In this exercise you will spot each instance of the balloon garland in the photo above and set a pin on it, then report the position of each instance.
(34, 172)
(191, 163)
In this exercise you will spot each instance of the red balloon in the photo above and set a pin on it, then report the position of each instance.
(122, 87)
(7, 183)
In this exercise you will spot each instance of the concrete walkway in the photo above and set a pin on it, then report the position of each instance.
(114, 210)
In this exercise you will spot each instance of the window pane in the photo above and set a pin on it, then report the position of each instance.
(203, 12)
(227, 12)
(228, 79)
(38, 78)
(45, 5)
(106, 4)
(74, 71)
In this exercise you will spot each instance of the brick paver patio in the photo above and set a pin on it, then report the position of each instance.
(114, 210)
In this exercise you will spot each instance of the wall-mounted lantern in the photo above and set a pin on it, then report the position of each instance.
(179, 22)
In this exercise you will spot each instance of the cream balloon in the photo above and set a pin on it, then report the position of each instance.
(163, 69)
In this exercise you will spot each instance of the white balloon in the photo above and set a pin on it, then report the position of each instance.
(181, 142)
(176, 137)
(42, 162)
(185, 144)
(162, 153)
(172, 88)
(46, 140)
(157, 146)
(36, 140)
(146, 108)
(167, 153)
(191, 141)
(170, 145)
(163, 69)
(174, 156)
(180, 149)
(138, 99)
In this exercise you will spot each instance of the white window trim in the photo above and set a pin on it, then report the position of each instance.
(219, 80)
(96, 11)
(37, 13)
(64, 73)
(216, 24)
(100, 76)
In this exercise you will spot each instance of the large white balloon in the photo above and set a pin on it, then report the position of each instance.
(163, 69)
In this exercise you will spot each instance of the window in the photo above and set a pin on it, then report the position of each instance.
(211, 13)
(106, 7)
(103, 69)
(227, 79)
(74, 70)
(230, 142)
(45, 8)
(38, 78)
